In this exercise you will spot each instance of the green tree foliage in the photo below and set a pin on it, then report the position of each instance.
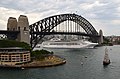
(106, 40)
(40, 54)
(13, 43)
(118, 42)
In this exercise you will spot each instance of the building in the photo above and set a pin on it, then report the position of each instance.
(14, 55)
(114, 39)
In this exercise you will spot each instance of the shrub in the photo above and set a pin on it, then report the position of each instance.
(40, 54)
(13, 43)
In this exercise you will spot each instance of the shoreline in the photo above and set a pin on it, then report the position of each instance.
(49, 61)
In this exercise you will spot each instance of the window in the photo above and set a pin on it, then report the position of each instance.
(13, 29)
(25, 29)
(18, 28)
(8, 29)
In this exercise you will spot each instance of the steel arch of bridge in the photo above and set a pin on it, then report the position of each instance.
(43, 27)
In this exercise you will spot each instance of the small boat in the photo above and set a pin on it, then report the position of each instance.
(22, 68)
(85, 56)
(106, 60)
(81, 63)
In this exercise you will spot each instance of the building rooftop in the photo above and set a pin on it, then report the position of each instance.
(13, 50)
(9, 48)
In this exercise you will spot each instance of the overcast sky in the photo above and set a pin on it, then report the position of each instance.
(102, 14)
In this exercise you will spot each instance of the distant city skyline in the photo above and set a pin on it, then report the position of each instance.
(102, 14)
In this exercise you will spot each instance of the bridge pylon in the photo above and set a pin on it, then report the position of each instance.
(22, 26)
(101, 37)
(12, 24)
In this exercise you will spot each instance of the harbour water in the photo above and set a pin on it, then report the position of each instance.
(81, 64)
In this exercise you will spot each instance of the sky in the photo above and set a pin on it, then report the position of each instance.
(102, 14)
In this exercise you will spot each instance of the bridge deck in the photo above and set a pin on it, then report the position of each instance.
(8, 32)
(67, 33)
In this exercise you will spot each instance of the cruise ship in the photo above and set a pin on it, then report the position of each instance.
(75, 44)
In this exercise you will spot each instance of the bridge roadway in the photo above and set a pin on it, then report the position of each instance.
(8, 32)
(67, 33)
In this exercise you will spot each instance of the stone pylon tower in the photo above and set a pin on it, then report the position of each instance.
(12, 24)
(101, 37)
(23, 27)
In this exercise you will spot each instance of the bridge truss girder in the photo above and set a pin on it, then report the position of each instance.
(39, 29)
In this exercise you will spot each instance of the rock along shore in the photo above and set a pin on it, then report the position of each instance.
(50, 60)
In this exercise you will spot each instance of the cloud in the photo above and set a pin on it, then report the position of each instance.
(5, 14)
(102, 14)
(109, 27)
(89, 6)
(116, 22)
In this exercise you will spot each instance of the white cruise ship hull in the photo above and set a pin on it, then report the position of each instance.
(68, 45)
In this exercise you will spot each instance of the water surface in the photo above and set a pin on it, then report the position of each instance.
(92, 67)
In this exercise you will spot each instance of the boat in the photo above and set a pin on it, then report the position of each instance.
(37, 47)
(67, 44)
(22, 68)
(106, 60)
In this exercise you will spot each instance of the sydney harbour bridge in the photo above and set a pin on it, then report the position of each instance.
(63, 24)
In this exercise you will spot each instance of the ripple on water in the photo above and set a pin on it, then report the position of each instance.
(92, 67)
